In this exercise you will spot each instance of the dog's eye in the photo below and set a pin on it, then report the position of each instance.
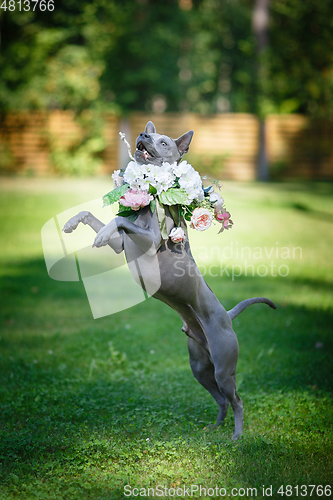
(164, 143)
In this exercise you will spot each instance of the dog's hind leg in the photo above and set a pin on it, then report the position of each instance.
(227, 384)
(223, 349)
(203, 371)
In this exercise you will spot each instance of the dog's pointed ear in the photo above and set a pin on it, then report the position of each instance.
(183, 142)
(150, 128)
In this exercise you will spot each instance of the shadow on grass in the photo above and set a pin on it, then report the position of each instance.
(41, 315)
(76, 412)
(318, 188)
(315, 214)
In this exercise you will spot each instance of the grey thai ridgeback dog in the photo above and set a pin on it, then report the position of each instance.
(212, 342)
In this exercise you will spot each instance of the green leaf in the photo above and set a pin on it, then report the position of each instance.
(152, 189)
(132, 217)
(173, 196)
(127, 212)
(175, 214)
(114, 195)
(162, 221)
(152, 206)
(123, 209)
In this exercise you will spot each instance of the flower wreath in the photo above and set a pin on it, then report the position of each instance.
(139, 185)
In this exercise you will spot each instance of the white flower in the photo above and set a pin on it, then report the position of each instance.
(164, 180)
(191, 176)
(152, 172)
(217, 200)
(135, 175)
(176, 235)
(117, 179)
(182, 168)
(200, 195)
(191, 182)
(143, 184)
(139, 177)
(192, 192)
(131, 173)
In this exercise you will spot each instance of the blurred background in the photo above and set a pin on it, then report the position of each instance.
(253, 78)
(90, 405)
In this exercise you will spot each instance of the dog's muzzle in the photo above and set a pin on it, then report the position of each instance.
(144, 151)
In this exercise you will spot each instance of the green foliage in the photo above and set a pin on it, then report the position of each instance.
(72, 78)
(48, 59)
(300, 58)
(127, 212)
(115, 194)
(183, 60)
(6, 158)
(78, 160)
(79, 154)
(152, 206)
(197, 56)
(173, 196)
(209, 164)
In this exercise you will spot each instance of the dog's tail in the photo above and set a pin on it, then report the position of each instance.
(246, 303)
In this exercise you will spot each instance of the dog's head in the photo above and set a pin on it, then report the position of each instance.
(153, 148)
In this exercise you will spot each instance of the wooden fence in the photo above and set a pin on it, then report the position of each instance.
(299, 147)
(224, 145)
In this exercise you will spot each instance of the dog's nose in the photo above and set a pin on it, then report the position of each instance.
(144, 135)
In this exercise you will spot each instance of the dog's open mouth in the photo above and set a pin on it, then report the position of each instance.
(147, 155)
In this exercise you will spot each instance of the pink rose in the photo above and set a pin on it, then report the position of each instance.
(201, 219)
(135, 199)
(177, 234)
(224, 218)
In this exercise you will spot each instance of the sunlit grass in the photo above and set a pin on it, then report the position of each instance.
(88, 406)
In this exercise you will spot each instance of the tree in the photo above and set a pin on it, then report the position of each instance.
(300, 58)
(260, 22)
(196, 55)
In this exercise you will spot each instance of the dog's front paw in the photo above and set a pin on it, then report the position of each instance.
(72, 223)
(104, 235)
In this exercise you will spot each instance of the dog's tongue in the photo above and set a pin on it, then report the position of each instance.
(144, 151)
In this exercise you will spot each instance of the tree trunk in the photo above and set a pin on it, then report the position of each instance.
(262, 165)
(260, 22)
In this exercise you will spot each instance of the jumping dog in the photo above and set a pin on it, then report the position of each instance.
(212, 342)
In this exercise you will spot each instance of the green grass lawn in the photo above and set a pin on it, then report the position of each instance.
(89, 406)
